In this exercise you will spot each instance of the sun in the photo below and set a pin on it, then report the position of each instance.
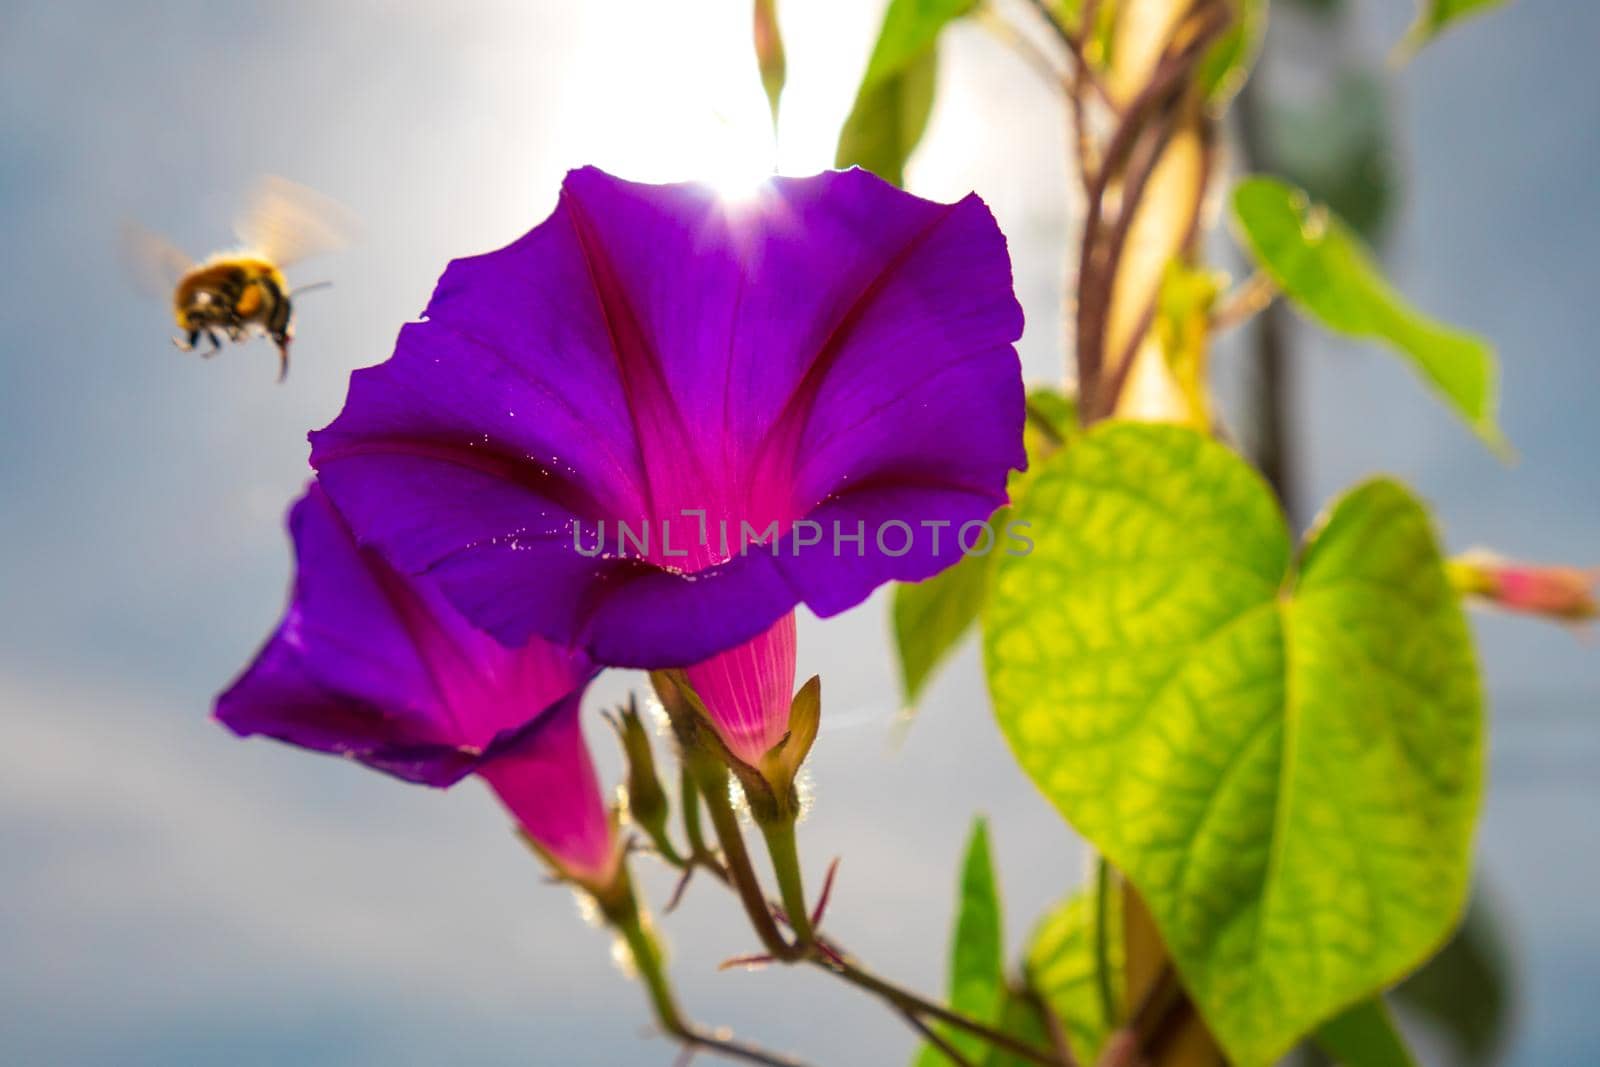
(743, 166)
(739, 187)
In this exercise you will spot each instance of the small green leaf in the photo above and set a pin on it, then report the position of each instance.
(1365, 1036)
(1315, 259)
(977, 949)
(977, 955)
(1052, 419)
(896, 94)
(1283, 758)
(1227, 66)
(931, 617)
(1063, 966)
(1433, 16)
(1464, 992)
(770, 60)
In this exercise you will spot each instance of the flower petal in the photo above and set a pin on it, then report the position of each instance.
(278, 698)
(378, 667)
(834, 349)
(747, 690)
(548, 783)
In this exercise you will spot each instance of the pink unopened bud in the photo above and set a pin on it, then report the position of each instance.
(747, 690)
(769, 53)
(1555, 592)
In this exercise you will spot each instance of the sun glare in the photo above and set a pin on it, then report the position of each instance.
(704, 116)
(742, 169)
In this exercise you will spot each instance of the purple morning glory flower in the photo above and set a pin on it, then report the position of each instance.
(380, 668)
(823, 376)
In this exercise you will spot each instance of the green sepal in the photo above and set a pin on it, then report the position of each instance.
(781, 765)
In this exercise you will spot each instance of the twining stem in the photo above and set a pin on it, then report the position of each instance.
(1075, 44)
(1135, 147)
(1151, 95)
(1020, 43)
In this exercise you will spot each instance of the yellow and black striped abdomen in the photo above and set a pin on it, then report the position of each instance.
(238, 289)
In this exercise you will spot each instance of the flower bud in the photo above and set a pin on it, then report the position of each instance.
(769, 781)
(1562, 593)
(648, 805)
(769, 53)
(747, 690)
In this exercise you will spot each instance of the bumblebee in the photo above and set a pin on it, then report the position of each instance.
(242, 292)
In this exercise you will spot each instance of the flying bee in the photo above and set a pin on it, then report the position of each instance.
(241, 292)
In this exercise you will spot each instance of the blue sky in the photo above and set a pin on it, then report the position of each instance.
(172, 895)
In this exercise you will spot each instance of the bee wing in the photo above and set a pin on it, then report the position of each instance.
(154, 262)
(286, 222)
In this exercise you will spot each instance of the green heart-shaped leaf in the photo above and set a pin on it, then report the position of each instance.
(1283, 757)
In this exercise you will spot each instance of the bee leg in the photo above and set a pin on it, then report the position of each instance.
(187, 342)
(216, 344)
(282, 341)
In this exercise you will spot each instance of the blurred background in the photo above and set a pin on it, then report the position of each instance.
(170, 895)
